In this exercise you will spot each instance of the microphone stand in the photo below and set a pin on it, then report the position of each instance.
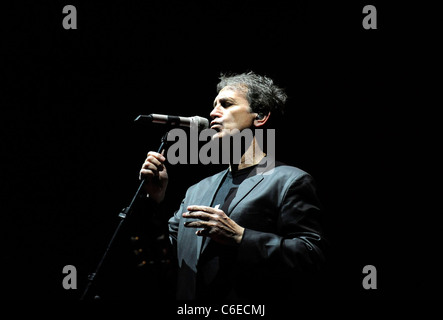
(122, 215)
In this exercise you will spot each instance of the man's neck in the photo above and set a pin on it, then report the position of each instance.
(252, 156)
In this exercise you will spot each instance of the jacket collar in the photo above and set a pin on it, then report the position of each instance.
(265, 166)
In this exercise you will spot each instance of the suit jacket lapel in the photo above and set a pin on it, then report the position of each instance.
(250, 183)
(243, 190)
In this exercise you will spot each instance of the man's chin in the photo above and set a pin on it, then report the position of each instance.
(218, 135)
(225, 133)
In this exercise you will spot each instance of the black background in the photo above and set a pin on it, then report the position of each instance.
(359, 119)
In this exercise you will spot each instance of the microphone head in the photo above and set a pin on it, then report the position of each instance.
(202, 123)
(196, 122)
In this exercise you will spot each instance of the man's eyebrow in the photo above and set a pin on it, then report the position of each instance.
(225, 99)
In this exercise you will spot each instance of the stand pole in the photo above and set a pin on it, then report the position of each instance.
(123, 215)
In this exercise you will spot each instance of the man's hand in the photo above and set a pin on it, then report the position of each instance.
(155, 175)
(215, 223)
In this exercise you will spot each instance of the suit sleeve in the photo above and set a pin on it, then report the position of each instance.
(298, 242)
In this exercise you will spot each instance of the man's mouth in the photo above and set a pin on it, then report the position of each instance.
(216, 126)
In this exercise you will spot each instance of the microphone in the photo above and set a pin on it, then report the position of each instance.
(194, 122)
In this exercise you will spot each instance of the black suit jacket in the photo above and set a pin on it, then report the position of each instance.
(279, 209)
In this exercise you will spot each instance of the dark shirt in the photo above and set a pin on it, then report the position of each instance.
(228, 188)
(218, 256)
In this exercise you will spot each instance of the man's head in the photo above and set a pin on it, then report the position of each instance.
(246, 100)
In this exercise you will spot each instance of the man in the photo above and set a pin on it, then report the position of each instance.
(253, 230)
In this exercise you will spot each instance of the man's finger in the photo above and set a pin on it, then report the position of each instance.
(202, 232)
(154, 160)
(157, 155)
(197, 215)
(199, 208)
(197, 224)
(204, 208)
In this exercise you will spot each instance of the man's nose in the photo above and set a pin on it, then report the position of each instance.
(216, 112)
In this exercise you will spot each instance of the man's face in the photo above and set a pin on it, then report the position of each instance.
(231, 111)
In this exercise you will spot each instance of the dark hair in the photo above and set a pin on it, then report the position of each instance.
(262, 94)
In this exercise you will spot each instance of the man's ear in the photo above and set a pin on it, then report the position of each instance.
(261, 119)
